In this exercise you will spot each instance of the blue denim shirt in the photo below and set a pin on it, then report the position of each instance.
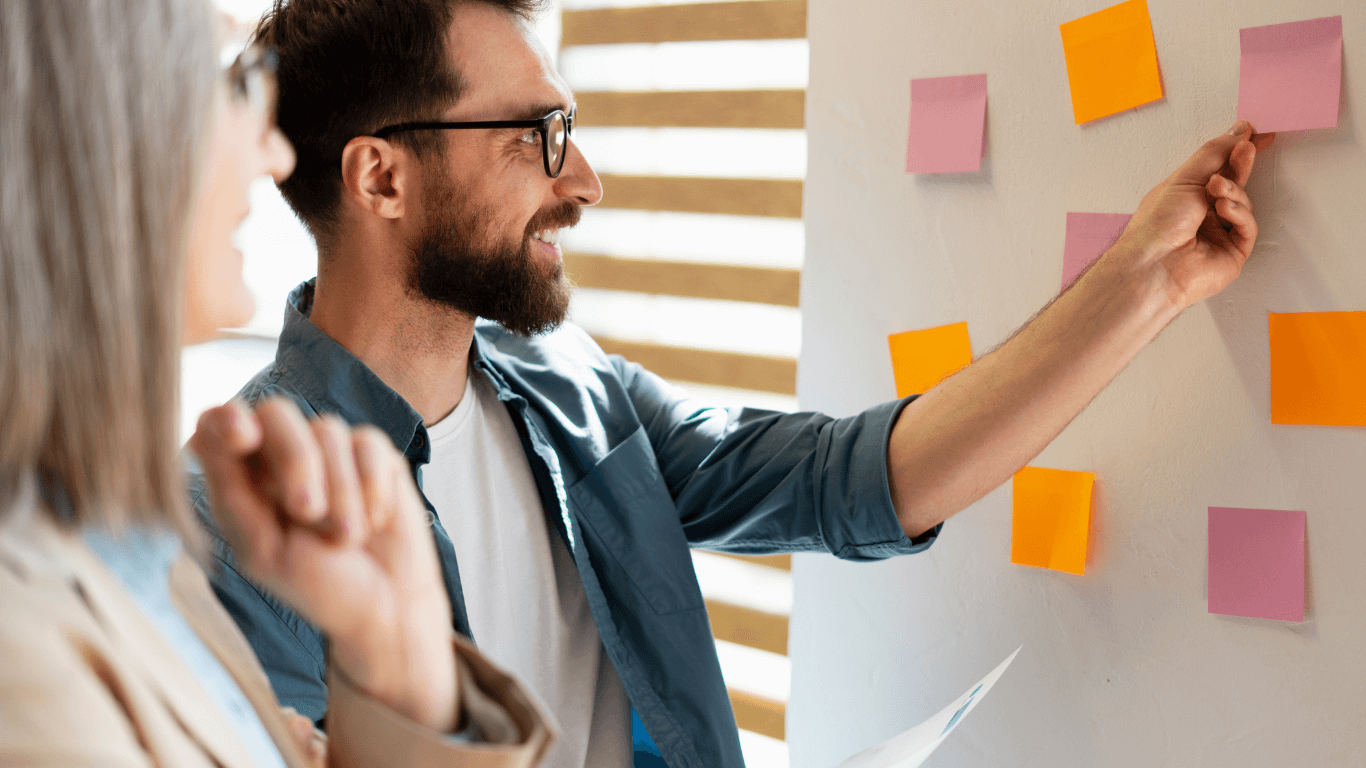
(632, 473)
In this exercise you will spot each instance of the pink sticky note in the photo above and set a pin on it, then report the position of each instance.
(1291, 75)
(1088, 236)
(948, 117)
(1256, 563)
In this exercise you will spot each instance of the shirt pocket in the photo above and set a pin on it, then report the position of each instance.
(626, 502)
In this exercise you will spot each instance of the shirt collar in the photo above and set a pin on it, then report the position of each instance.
(333, 380)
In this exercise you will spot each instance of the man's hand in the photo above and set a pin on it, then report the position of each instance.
(1196, 228)
(328, 518)
(1188, 241)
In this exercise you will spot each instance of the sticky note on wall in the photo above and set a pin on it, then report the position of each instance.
(1052, 518)
(1318, 368)
(1111, 61)
(948, 118)
(1290, 78)
(1256, 563)
(921, 359)
(1088, 236)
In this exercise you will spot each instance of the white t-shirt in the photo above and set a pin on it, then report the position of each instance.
(523, 594)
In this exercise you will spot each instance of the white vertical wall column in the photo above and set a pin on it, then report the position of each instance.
(1124, 666)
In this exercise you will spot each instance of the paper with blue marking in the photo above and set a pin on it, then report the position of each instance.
(911, 748)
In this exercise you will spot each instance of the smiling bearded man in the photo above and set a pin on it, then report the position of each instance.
(565, 486)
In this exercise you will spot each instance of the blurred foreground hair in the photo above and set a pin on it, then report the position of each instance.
(104, 108)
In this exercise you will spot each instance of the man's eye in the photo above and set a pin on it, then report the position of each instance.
(530, 137)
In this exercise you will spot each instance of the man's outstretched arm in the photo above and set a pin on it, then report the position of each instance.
(972, 432)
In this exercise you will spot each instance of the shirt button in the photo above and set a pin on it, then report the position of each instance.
(431, 517)
(417, 440)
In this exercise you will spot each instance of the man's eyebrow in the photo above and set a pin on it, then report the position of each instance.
(538, 111)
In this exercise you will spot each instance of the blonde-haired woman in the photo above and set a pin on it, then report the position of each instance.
(125, 159)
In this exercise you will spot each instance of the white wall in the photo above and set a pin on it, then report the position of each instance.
(1121, 667)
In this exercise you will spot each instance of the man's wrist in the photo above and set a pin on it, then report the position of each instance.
(1138, 279)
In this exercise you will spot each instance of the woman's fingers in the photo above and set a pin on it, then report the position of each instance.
(293, 461)
(376, 461)
(345, 506)
(273, 470)
(224, 440)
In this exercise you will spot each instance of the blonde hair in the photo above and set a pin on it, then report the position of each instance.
(104, 106)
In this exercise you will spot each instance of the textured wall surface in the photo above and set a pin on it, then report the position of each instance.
(1124, 666)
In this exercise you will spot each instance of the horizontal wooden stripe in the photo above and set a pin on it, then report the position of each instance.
(773, 108)
(693, 194)
(781, 562)
(758, 714)
(705, 366)
(751, 20)
(748, 627)
(724, 282)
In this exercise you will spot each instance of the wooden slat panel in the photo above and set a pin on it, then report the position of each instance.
(751, 20)
(740, 197)
(704, 366)
(772, 108)
(781, 562)
(761, 285)
(746, 626)
(759, 714)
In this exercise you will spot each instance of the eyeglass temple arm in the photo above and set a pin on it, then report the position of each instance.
(388, 130)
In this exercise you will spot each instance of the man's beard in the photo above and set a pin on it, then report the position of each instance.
(458, 263)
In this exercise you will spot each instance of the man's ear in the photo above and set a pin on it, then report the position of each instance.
(378, 176)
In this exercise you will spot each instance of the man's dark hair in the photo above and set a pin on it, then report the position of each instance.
(349, 67)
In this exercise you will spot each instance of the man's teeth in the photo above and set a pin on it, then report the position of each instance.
(551, 236)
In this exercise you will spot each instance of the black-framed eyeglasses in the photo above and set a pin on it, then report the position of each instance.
(554, 129)
(251, 79)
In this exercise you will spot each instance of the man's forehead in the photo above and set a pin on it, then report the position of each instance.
(503, 67)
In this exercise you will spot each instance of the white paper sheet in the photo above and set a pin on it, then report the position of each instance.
(909, 749)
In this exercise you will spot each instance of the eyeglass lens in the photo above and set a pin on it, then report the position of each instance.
(252, 78)
(556, 134)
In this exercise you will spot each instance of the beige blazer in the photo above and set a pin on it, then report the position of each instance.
(87, 680)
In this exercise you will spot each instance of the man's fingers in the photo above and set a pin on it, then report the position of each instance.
(1213, 156)
(1244, 231)
(345, 504)
(1219, 186)
(294, 463)
(1262, 140)
(1240, 161)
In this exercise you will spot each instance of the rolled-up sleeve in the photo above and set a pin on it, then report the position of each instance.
(514, 731)
(754, 481)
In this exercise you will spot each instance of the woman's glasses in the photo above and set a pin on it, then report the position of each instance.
(251, 80)
(554, 129)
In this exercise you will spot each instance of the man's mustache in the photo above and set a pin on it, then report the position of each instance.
(562, 215)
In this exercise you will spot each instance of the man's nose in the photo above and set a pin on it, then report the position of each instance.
(577, 180)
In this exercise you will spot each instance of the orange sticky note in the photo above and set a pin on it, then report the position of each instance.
(1052, 518)
(1111, 61)
(921, 359)
(1318, 368)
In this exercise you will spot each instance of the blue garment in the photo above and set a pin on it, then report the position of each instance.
(632, 473)
(142, 560)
